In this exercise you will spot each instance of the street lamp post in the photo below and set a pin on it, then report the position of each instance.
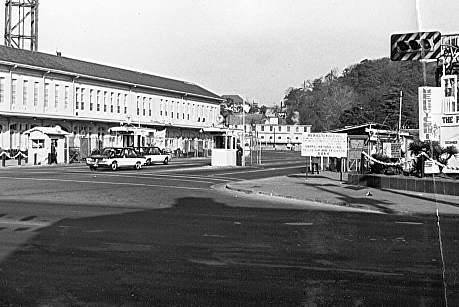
(243, 133)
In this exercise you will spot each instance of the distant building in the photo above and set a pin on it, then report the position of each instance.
(270, 132)
(234, 98)
(237, 103)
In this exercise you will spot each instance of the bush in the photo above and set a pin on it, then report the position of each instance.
(377, 168)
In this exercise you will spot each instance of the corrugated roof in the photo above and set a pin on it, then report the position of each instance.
(79, 67)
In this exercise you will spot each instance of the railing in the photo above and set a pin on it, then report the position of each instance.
(19, 155)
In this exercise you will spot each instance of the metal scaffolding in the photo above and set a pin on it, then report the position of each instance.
(21, 24)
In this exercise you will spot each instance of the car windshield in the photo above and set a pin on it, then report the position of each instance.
(109, 152)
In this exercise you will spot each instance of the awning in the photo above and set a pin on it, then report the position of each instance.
(133, 130)
(57, 130)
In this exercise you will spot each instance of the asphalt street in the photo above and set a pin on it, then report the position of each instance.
(166, 236)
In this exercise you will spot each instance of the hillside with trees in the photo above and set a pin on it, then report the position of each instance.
(363, 93)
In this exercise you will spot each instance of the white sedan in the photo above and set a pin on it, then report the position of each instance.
(154, 154)
(115, 158)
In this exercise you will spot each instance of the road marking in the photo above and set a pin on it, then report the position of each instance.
(260, 170)
(219, 261)
(161, 173)
(299, 224)
(128, 175)
(409, 223)
(213, 235)
(194, 176)
(105, 182)
(23, 223)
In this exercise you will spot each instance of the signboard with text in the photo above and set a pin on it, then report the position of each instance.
(324, 145)
(392, 150)
(429, 113)
(357, 144)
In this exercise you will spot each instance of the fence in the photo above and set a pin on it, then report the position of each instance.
(13, 154)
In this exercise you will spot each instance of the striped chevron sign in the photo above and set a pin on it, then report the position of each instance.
(415, 46)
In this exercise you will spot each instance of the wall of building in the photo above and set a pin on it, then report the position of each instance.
(276, 135)
(87, 108)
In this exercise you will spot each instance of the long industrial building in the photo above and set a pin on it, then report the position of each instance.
(88, 99)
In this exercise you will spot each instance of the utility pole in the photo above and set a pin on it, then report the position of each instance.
(400, 116)
(243, 133)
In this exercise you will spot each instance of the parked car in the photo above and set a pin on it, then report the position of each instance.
(154, 154)
(115, 158)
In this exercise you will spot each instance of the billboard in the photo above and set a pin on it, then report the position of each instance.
(430, 99)
(324, 145)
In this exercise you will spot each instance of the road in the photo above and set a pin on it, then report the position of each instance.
(165, 236)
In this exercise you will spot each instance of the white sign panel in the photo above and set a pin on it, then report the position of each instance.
(429, 113)
(324, 145)
(160, 138)
(392, 150)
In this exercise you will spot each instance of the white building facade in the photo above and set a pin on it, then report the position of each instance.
(86, 99)
(273, 135)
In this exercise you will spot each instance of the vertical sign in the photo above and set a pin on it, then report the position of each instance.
(160, 138)
(429, 113)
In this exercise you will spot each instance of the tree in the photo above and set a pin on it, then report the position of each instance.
(434, 150)
(263, 110)
(365, 92)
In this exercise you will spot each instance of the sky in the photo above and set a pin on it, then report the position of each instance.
(253, 48)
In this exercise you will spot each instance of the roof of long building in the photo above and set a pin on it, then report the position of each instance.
(88, 69)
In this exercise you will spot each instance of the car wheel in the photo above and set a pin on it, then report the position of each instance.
(138, 165)
(148, 162)
(166, 161)
(92, 168)
(114, 166)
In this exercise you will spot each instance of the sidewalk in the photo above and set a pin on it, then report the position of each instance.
(327, 188)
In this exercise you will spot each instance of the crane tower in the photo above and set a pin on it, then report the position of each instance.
(21, 24)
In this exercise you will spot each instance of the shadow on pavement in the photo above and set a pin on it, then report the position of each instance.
(423, 197)
(204, 253)
(380, 205)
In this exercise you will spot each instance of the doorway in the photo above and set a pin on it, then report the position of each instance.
(128, 141)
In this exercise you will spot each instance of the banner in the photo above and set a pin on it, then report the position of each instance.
(324, 145)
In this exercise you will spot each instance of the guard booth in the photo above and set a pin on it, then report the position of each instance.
(47, 145)
(225, 141)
